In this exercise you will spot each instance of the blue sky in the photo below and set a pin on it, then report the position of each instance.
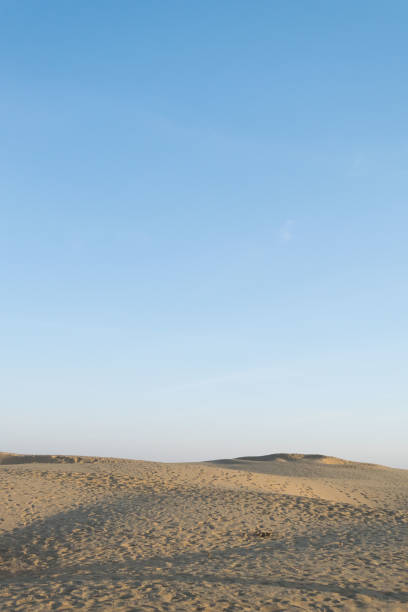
(203, 232)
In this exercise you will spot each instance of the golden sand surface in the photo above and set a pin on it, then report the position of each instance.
(282, 532)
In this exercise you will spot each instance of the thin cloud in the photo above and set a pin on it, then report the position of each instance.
(286, 231)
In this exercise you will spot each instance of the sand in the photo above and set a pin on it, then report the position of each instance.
(282, 532)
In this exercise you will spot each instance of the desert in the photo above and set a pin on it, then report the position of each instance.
(282, 532)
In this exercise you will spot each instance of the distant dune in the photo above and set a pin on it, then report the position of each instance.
(14, 459)
(277, 532)
(296, 457)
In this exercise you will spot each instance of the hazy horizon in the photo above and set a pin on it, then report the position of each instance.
(203, 229)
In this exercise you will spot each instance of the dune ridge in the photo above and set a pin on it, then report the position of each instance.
(295, 457)
(15, 458)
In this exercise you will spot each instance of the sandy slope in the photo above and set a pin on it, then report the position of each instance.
(284, 532)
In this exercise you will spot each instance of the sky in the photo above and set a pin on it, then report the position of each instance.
(203, 228)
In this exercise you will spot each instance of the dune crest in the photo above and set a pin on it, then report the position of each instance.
(15, 458)
(297, 457)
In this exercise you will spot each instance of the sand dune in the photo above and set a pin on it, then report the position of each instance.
(280, 532)
(14, 458)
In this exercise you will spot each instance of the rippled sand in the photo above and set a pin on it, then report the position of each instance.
(284, 532)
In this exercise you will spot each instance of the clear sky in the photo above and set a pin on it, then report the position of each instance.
(203, 237)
